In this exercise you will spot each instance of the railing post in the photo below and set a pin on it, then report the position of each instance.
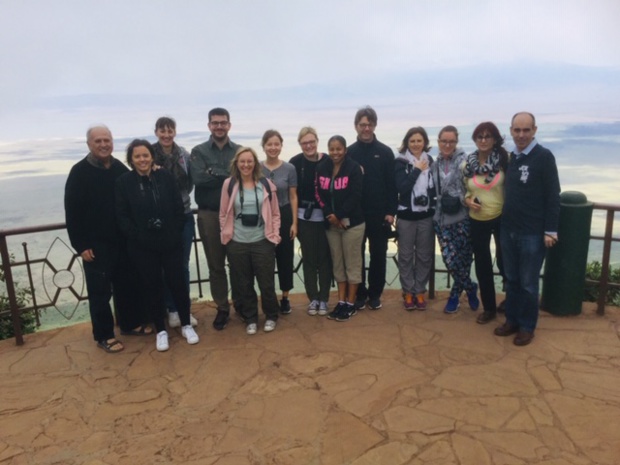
(10, 289)
(431, 281)
(603, 284)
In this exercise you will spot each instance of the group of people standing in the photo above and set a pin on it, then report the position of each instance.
(250, 213)
(467, 201)
(346, 199)
(134, 229)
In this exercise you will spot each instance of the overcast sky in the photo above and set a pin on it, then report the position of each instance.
(187, 48)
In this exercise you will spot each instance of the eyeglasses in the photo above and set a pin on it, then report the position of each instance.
(482, 137)
(222, 124)
(365, 125)
(447, 142)
(308, 142)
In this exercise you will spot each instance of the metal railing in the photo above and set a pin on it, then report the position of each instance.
(7, 268)
(8, 265)
(608, 238)
(68, 271)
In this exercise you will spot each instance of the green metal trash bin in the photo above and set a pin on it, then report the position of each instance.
(565, 265)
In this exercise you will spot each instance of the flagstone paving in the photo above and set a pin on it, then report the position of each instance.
(389, 387)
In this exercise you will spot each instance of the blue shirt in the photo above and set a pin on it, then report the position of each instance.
(528, 149)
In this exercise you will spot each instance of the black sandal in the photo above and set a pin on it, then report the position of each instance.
(142, 330)
(109, 346)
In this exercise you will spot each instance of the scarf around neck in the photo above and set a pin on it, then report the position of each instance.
(175, 163)
(422, 184)
(488, 169)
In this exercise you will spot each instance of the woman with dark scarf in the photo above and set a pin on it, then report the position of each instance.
(484, 179)
(174, 158)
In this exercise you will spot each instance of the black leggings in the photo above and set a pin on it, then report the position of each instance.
(285, 251)
(152, 266)
(481, 234)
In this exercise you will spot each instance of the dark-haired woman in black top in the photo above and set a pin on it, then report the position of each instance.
(150, 213)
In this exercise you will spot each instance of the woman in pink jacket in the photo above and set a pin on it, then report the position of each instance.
(250, 230)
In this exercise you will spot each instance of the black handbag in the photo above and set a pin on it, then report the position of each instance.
(449, 205)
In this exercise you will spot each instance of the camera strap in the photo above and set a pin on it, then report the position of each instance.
(262, 180)
(241, 197)
(153, 188)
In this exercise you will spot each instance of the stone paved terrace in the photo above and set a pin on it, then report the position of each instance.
(387, 388)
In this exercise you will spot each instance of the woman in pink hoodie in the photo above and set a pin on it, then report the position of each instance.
(250, 230)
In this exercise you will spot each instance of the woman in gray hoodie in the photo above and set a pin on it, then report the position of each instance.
(451, 220)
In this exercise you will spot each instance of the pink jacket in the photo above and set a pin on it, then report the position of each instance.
(270, 213)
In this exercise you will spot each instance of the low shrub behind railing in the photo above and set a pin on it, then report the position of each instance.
(591, 290)
(28, 320)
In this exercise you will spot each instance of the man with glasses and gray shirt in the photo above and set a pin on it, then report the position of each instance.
(210, 166)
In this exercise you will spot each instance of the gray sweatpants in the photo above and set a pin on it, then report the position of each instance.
(416, 245)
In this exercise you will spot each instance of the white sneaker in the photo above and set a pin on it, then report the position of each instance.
(193, 321)
(251, 328)
(162, 341)
(173, 320)
(189, 334)
(313, 307)
(322, 308)
(270, 325)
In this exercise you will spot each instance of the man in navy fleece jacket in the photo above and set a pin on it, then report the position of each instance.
(529, 226)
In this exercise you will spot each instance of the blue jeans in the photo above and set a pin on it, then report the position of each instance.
(188, 240)
(523, 256)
